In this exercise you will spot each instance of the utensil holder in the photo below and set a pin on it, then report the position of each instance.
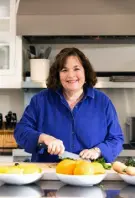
(39, 69)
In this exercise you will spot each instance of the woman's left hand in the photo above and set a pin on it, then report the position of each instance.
(92, 154)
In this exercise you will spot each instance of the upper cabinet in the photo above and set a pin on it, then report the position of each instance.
(5, 15)
(10, 68)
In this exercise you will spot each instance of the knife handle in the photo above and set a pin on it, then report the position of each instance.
(42, 146)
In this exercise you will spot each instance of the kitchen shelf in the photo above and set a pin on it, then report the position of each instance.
(100, 84)
(115, 85)
(30, 84)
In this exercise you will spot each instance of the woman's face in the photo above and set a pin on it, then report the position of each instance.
(72, 76)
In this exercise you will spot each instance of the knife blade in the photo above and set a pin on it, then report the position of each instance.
(70, 155)
(43, 148)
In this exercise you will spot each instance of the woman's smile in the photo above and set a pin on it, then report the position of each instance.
(72, 81)
(72, 75)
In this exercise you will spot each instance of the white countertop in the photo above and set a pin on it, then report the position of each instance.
(20, 153)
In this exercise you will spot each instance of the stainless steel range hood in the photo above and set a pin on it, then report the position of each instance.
(76, 17)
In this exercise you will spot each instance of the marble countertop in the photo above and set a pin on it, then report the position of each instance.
(54, 189)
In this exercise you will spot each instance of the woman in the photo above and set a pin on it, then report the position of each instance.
(70, 115)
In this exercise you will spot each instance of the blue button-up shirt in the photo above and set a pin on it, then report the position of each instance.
(92, 123)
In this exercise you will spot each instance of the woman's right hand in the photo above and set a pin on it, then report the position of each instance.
(55, 146)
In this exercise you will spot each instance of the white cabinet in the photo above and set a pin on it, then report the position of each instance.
(10, 45)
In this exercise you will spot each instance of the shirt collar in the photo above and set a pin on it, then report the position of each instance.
(59, 92)
(89, 91)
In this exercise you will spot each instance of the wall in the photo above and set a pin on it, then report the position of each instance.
(11, 100)
(124, 102)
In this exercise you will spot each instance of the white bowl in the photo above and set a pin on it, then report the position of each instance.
(81, 180)
(128, 178)
(72, 191)
(20, 179)
(20, 191)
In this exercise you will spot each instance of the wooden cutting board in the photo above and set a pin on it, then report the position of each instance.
(42, 165)
(49, 169)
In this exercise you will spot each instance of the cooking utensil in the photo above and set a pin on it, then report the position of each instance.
(11, 120)
(67, 154)
(32, 51)
(43, 148)
(14, 120)
(41, 53)
(8, 120)
(47, 52)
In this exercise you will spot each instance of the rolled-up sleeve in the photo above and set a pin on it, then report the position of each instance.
(113, 143)
(26, 133)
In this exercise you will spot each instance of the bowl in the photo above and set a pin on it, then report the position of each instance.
(20, 179)
(72, 191)
(128, 178)
(81, 180)
(20, 191)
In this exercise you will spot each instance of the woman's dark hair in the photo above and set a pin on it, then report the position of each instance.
(53, 80)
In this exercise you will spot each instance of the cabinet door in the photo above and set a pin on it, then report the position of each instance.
(11, 76)
(5, 15)
(7, 58)
(7, 37)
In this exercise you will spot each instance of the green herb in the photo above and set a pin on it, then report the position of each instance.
(104, 164)
(130, 162)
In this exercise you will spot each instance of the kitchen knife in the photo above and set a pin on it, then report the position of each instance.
(1, 120)
(70, 155)
(43, 147)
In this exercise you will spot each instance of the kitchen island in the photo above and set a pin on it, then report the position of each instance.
(106, 189)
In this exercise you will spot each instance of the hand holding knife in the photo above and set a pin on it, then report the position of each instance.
(43, 147)
(55, 146)
(52, 145)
